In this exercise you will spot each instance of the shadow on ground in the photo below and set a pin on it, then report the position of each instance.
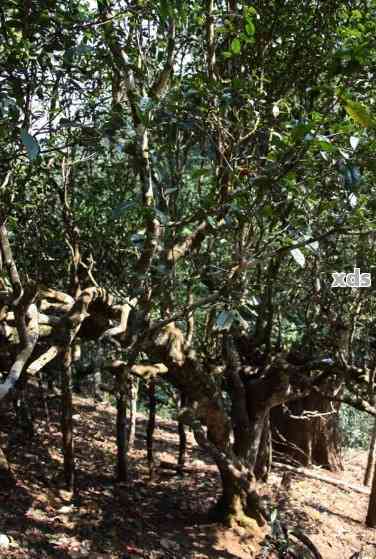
(166, 517)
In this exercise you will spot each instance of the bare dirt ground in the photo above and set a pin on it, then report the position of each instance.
(163, 518)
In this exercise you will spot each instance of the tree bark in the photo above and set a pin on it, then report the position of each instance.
(371, 456)
(371, 513)
(22, 408)
(97, 373)
(6, 476)
(134, 382)
(308, 441)
(121, 426)
(151, 427)
(264, 456)
(238, 505)
(182, 439)
(66, 419)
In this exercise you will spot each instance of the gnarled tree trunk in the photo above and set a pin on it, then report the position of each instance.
(239, 503)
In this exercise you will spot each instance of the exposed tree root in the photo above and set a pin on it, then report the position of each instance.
(313, 475)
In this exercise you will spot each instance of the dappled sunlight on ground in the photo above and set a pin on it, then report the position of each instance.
(165, 517)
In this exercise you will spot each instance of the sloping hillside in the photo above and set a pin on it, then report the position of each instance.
(162, 518)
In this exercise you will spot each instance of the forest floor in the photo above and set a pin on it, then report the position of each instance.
(163, 518)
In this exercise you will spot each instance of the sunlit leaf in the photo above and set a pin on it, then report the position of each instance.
(298, 257)
(250, 27)
(358, 112)
(236, 46)
(224, 320)
(314, 246)
(353, 200)
(354, 141)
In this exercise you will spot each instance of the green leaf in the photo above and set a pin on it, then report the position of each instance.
(236, 46)
(351, 175)
(354, 141)
(224, 320)
(250, 28)
(197, 173)
(314, 246)
(165, 9)
(298, 256)
(358, 112)
(30, 143)
(267, 211)
(300, 130)
(325, 145)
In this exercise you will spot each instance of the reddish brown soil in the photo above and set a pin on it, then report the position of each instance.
(163, 518)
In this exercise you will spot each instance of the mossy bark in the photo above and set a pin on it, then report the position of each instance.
(239, 504)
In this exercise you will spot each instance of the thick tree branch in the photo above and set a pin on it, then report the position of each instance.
(353, 401)
(29, 336)
(161, 82)
(122, 326)
(191, 242)
(10, 265)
